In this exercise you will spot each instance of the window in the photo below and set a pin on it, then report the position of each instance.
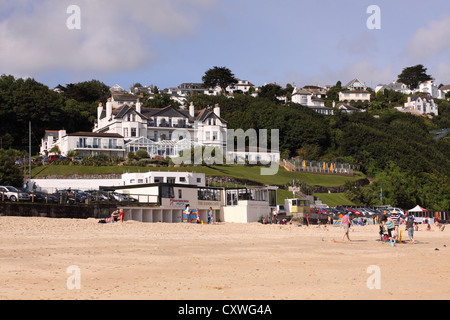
(133, 132)
(182, 179)
(180, 193)
(215, 135)
(272, 197)
(208, 135)
(167, 192)
(125, 132)
(207, 194)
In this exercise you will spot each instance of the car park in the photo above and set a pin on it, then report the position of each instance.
(13, 194)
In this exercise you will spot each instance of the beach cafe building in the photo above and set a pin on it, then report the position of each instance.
(165, 202)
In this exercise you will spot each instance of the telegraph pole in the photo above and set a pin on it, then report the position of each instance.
(29, 149)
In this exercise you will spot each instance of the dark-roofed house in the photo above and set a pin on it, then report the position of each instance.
(163, 132)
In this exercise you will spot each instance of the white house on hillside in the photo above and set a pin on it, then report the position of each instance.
(420, 105)
(430, 88)
(354, 96)
(85, 143)
(394, 86)
(163, 132)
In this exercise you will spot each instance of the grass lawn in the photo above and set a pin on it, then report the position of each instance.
(334, 199)
(251, 173)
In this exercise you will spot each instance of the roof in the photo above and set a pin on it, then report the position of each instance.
(124, 97)
(353, 81)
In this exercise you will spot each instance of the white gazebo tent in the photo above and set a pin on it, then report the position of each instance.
(420, 214)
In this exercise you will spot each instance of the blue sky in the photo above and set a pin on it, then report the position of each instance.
(167, 42)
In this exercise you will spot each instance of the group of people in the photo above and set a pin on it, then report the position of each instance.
(116, 216)
(389, 226)
(210, 214)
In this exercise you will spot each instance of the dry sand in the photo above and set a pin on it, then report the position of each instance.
(222, 262)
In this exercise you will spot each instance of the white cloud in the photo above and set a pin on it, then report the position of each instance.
(431, 41)
(115, 35)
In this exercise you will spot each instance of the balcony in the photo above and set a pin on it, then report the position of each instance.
(99, 147)
(151, 124)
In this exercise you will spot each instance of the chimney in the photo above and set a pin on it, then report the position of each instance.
(61, 134)
(109, 108)
(191, 110)
(138, 106)
(217, 110)
(99, 111)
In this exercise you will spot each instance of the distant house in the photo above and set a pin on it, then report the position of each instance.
(308, 99)
(119, 99)
(354, 96)
(420, 106)
(323, 110)
(445, 89)
(428, 87)
(242, 86)
(347, 108)
(355, 85)
(394, 86)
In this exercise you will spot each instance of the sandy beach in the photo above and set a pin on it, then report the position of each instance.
(222, 262)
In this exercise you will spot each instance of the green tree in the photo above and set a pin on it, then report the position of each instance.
(219, 77)
(10, 174)
(88, 91)
(413, 76)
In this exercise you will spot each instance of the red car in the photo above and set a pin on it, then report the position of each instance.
(53, 158)
(358, 213)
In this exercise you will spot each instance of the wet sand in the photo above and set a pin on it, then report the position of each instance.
(215, 262)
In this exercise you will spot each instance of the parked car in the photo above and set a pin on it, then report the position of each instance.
(354, 211)
(45, 197)
(71, 196)
(13, 194)
(22, 161)
(123, 197)
(53, 158)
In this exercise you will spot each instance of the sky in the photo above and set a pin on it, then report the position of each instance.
(168, 42)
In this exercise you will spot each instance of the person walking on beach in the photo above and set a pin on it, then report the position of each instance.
(345, 223)
(410, 228)
(210, 215)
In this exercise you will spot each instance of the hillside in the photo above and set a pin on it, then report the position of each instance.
(395, 150)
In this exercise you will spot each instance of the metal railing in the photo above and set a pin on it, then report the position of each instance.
(80, 199)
